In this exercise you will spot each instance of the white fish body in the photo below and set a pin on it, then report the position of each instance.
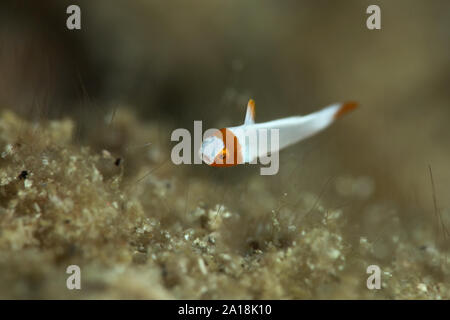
(241, 144)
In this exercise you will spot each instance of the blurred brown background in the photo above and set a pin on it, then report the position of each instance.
(179, 61)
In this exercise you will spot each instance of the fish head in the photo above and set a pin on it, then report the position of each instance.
(218, 151)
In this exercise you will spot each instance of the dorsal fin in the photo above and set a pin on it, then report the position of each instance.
(250, 114)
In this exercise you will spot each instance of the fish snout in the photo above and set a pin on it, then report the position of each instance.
(205, 158)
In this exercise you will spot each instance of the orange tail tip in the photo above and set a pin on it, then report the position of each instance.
(346, 107)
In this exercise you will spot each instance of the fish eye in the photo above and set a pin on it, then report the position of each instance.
(224, 154)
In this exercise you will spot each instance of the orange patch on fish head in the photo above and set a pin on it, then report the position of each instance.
(231, 154)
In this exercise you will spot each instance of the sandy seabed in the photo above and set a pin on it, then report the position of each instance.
(135, 227)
